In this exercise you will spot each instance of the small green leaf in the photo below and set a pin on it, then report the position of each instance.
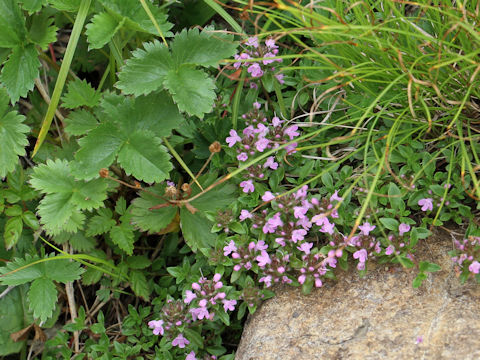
(391, 224)
(32, 6)
(42, 298)
(139, 284)
(12, 232)
(80, 93)
(100, 223)
(419, 280)
(222, 315)
(405, 262)
(30, 219)
(395, 197)
(122, 235)
(426, 266)
(191, 89)
(20, 71)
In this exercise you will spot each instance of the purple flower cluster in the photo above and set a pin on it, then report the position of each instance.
(428, 203)
(468, 253)
(253, 49)
(199, 304)
(398, 242)
(259, 135)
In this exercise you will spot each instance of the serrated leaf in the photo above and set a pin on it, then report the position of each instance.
(42, 32)
(145, 71)
(12, 232)
(101, 29)
(78, 241)
(33, 6)
(139, 284)
(98, 150)
(131, 131)
(196, 230)
(80, 122)
(220, 197)
(135, 16)
(191, 89)
(100, 223)
(121, 206)
(143, 156)
(20, 71)
(123, 237)
(62, 270)
(80, 93)
(42, 297)
(152, 220)
(18, 271)
(12, 136)
(12, 24)
(204, 48)
(60, 208)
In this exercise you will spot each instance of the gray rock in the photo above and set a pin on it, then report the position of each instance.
(378, 317)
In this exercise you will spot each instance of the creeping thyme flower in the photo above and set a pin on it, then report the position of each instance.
(474, 267)
(191, 356)
(157, 327)
(366, 228)
(247, 186)
(180, 341)
(403, 228)
(426, 204)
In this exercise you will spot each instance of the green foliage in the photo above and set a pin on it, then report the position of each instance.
(61, 208)
(130, 131)
(42, 295)
(12, 136)
(156, 67)
(80, 93)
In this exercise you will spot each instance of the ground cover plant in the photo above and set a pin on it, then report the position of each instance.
(164, 165)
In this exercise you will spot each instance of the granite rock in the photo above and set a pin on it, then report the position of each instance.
(379, 316)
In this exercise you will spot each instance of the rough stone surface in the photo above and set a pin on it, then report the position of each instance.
(378, 317)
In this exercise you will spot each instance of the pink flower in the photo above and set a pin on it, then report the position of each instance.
(276, 121)
(247, 186)
(233, 138)
(268, 196)
(291, 149)
(189, 296)
(272, 224)
(157, 327)
(298, 235)
(191, 356)
(257, 105)
(268, 55)
(249, 131)
(229, 305)
(327, 227)
(252, 41)
(270, 163)
(260, 246)
(366, 228)
(255, 70)
(335, 197)
(267, 280)
(300, 211)
(242, 56)
(361, 255)
(302, 278)
(403, 228)
(305, 247)
(318, 283)
(389, 250)
(245, 214)
(474, 267)
(217, 277)
(291, 132)
(263, 259)
(280, 77)
(242, 157)
(262, 144)
(180, 341)
(426, 204)
(270, 43)
(199, 313)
